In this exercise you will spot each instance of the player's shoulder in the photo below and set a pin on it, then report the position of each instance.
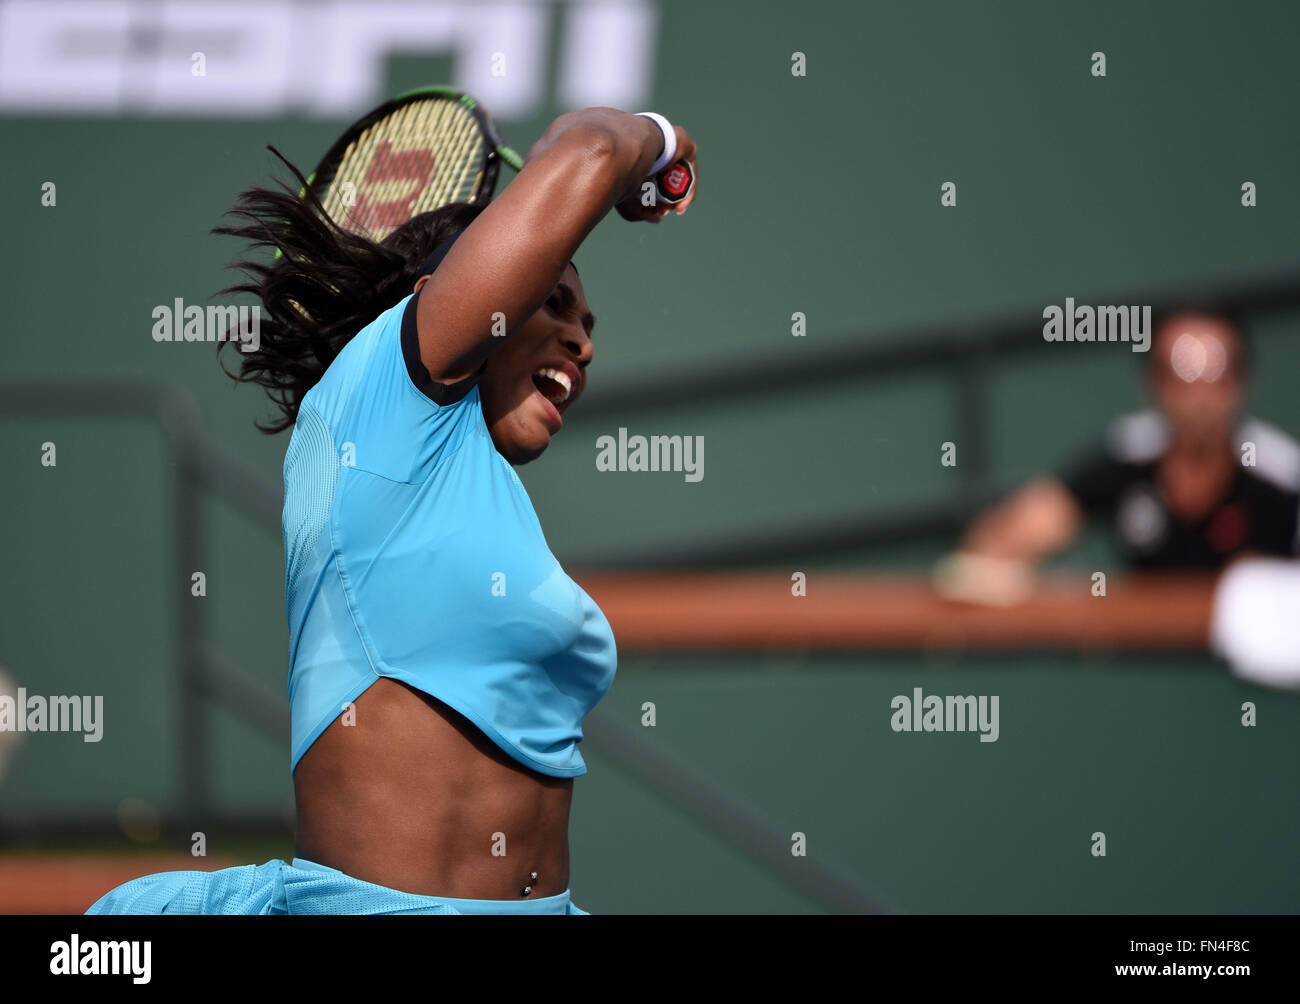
(1269, 454)
(365, 367)
(379, 337)
(1139, 437)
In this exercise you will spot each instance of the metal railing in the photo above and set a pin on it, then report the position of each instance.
(965, 350)
(198, 466)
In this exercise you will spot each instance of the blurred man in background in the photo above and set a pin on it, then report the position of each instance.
(1189, 484)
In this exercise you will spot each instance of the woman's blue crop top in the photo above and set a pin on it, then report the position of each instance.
(412, 551)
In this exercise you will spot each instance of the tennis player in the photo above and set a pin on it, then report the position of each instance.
(441, 661)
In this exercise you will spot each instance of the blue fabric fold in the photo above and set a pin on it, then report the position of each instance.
(298, 889)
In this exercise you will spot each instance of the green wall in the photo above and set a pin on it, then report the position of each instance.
(818, 194)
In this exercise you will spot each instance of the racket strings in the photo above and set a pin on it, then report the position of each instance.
(421, 157)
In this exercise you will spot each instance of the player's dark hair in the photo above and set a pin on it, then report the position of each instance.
(326, 285)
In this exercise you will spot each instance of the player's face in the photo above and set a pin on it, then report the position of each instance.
(535, 377)
(1196, 376)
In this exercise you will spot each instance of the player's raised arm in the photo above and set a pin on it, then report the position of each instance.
(509, 259)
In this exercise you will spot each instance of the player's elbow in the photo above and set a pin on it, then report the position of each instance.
(594, 144)
(589, 161)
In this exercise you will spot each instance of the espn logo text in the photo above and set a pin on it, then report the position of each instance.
(268, 58)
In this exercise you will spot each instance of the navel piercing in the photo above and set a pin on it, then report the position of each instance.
(529, 887)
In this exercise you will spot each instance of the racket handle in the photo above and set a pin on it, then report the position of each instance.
(674, 183)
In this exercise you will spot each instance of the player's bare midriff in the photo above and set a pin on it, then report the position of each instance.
(412, 796)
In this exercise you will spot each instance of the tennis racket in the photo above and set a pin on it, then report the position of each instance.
(423, 150)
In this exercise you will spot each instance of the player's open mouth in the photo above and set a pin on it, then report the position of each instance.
(553, 385)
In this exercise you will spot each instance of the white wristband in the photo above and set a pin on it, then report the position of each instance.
(670, 142)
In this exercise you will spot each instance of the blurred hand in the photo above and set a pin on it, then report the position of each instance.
(964, 577)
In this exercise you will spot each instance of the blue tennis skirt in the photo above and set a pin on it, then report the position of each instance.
(303, 887)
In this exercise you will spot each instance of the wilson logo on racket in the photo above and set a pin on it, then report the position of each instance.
(674, 183)
(388, 174)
